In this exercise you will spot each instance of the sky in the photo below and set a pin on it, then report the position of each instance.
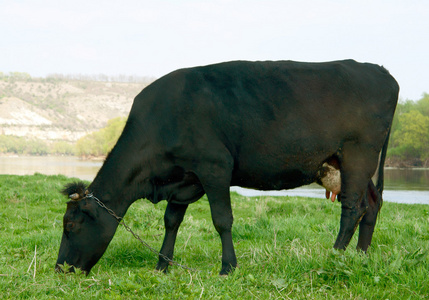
(154, 37)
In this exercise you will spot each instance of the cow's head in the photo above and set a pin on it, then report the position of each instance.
(87, 230)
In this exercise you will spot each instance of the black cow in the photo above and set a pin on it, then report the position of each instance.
(264, 125)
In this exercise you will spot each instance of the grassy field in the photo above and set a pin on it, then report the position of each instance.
(283, 246)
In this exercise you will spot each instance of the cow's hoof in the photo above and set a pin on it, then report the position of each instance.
(163, 269)
(226, 270)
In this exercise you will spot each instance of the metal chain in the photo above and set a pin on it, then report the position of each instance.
(119, 219)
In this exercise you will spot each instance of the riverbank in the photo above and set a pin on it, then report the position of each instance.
(394, 162)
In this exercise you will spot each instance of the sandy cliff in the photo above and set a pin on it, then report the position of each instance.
(61, 109)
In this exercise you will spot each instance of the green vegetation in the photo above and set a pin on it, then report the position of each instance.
(62, 148)
(410, 132)
(99, 143)
(283, 246)
(21, 145)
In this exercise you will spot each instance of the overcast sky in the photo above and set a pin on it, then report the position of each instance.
(152, 38)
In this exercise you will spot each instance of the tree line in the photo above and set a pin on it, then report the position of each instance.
(23, 76)
(409, 138)
(32, 146)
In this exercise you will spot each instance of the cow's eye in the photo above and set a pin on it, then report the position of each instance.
(70, 226)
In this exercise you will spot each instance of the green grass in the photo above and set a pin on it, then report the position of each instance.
(283, 246)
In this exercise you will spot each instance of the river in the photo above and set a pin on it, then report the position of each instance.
(401, 185)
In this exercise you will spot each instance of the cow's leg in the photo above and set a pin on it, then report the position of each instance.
(357, 166)
(220, 206)
(173, 217)
(367, 224)
(216, 179)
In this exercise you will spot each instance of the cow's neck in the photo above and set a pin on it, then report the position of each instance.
(121, 180)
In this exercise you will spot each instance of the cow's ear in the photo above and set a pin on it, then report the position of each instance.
(90, 209)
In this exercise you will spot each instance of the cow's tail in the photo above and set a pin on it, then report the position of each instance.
(378, 177)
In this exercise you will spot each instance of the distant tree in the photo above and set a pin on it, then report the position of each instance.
(99, 143)
(413, 134)
(19, 76)
(423, 105)
(21, 145)
(62, 147)
(112, 132)
(410, 131)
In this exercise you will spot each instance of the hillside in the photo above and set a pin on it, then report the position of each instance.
(61, 109)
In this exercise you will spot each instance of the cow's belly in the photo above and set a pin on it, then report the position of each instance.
(272, 180)
(328, 176)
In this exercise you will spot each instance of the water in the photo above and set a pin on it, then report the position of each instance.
(398, 196)
(49, 165)
(401, 185)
